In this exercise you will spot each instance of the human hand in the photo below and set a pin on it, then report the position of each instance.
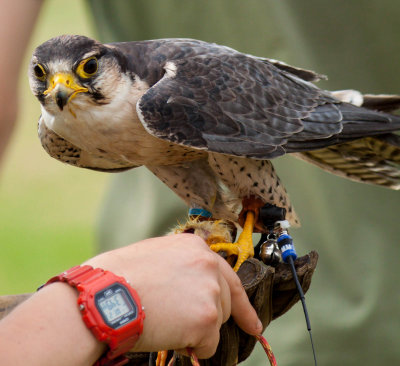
(187, 291)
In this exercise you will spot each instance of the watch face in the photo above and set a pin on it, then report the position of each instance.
(116, 305)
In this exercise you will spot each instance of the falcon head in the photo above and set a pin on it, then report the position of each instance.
(88, 92)
(74, 73)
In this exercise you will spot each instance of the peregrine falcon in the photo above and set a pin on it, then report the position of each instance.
(206, 120)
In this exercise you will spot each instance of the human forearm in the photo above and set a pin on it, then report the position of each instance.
(17, 19)
(48, 329)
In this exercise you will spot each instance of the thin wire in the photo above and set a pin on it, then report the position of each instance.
(303, 302)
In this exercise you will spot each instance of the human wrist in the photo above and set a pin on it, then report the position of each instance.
(64, 299)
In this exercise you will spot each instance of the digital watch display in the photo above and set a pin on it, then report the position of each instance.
(116, 305)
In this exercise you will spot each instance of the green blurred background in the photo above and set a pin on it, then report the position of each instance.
(48, 210)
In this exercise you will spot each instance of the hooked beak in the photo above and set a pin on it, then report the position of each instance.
(63, 88)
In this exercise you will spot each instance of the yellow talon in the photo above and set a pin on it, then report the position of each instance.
(243, 248)
(161, 358)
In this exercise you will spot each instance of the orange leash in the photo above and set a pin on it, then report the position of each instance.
(260, 338)
(193, 357)
(267, 349)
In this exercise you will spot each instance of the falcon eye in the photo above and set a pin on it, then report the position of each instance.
(90, 67)
(87, 68)
(39, 71)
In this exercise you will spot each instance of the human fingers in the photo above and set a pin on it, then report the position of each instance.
(225, 302)
(215, 310)
(241, 309)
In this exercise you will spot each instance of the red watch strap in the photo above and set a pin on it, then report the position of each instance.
(77, 275)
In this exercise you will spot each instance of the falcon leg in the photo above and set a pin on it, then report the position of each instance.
(243, 248)
(250, 221)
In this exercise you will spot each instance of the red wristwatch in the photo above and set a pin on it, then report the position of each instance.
(110, 308)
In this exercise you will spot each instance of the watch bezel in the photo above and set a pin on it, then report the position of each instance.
(94, 319)
(114, 292)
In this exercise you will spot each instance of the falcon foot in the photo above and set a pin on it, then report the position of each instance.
(213, 232)
(243, 248)
(250, 221)
(219, 235)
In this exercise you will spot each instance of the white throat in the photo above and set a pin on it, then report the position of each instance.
(92, 126)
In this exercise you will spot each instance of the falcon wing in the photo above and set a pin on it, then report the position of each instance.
(368, 160)
(373, 160)
(241, 105)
